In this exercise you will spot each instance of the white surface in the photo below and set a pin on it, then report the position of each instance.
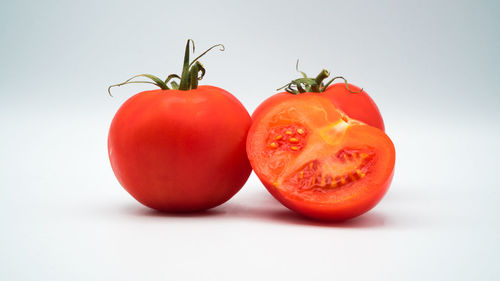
(64, 216)
(432, 67)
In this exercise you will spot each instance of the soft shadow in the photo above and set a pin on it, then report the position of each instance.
(142, 211)
(263, 207)
(368, 220)
(258, 206)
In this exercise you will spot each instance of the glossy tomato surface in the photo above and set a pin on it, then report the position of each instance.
(180, 151)
(316, 160)
(359, 106)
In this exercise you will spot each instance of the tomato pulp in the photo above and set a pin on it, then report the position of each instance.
(180, 151)
(316, 160)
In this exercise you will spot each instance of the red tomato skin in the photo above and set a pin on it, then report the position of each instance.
(271, 101)
(336, 212)
(359, 106)
(180, 151)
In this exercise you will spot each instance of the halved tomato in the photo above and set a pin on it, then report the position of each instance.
(317, 161)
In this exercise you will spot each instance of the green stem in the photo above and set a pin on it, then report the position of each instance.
(195, 69)
(156, 81)
(192, 72)
(315, 85)
(346, 85)
(319, 81)
(185, 76)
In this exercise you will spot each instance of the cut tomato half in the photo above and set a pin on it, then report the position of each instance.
(316, 160)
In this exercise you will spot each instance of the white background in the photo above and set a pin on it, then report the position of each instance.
(432, 67)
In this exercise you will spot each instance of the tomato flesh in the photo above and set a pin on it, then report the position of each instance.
(316, 160)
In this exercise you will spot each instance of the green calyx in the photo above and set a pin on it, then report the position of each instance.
(312, 85)
(192, 72)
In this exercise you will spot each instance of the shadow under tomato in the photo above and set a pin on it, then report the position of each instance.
(262, 207)
(259, 206)
(142, 211)
(368, 220)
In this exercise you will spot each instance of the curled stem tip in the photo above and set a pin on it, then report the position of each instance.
(222, 48)
(345, 83)
(192, 43)
(304, 75)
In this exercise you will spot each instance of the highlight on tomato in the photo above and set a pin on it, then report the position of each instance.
(314, 158)
(180, 148)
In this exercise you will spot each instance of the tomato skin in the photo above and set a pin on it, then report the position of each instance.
(350, 202)
(357, 106)
(180, 151)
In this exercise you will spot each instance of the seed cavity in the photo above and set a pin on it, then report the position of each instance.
(287, 138)
(360, 173)
(317, 177)
(342, 180)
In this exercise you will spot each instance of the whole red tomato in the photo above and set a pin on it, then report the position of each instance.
(181, 149)
(315, 159)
